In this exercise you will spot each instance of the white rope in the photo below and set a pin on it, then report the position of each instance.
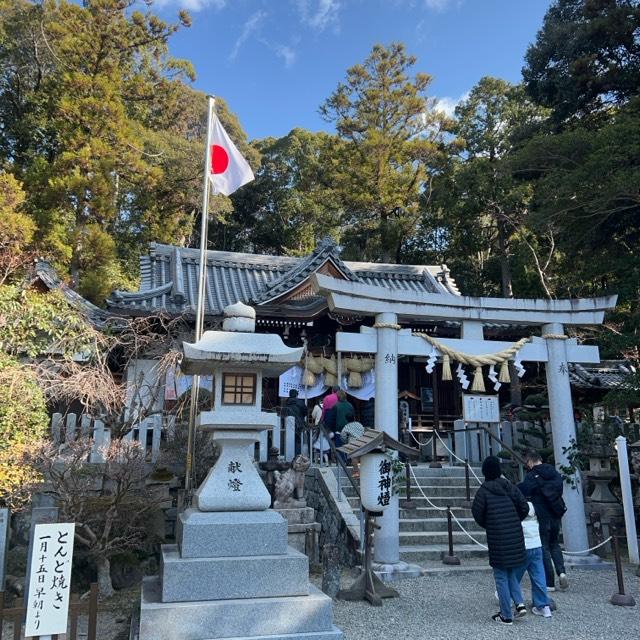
(476, 360)
(453, 515)
(577, 553)
(421, 444)
(458, 458)
(424, 495)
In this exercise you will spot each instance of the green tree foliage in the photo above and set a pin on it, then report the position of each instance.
(31, 325)
(23, 424)
(585, 65)
(16, 228)
(587, 195)
(102, 130)
(586, 57)
(291, 204)
(485, 205)
(391, 147)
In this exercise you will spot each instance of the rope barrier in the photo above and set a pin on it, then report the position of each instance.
(578, 553)
(458, 458)
(424, 495)
(453, 515)
(421, 444)
(555, 336)
(437, 508)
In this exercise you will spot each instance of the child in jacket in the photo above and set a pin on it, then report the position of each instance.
(535, 565)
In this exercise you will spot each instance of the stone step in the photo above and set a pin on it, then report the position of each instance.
(430, 512)
(229, 578)
(277, 618)
(430, 491)
(429, 538)
(420, 553)
(436, 524)
(438, 501)
(424, 471)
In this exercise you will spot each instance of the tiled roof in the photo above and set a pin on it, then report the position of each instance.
(606, 375)
(169, 279)
(99, 318)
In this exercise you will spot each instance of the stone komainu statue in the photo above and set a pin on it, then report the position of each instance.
(290, 484)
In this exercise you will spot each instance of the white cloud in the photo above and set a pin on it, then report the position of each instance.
(286, 53)
(447, 105)
(441, 5)
(250, 27)
(319, 14)
(192, 5)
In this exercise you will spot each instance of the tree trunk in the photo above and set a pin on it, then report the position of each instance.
(105, 588)
(505, 264)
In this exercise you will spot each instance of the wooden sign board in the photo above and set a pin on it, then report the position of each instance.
(50, 579)
(477, 408)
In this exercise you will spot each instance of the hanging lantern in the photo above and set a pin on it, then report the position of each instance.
(376, 481)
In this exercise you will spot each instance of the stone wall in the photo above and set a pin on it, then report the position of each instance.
(340, 526)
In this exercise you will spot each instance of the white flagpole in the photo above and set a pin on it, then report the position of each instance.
(202, 275)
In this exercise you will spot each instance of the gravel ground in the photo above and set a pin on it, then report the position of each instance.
(444, 606)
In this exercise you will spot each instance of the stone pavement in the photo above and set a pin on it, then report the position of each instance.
(451, 607)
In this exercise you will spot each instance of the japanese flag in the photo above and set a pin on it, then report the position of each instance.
(228, 170)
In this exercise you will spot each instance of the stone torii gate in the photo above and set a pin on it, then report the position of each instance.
(389, 341)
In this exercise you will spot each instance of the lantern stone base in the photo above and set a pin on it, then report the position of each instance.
(188, 579)
(216, 534)
(232, 575)
(307, 617)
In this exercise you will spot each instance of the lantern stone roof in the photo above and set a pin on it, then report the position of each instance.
(373, 441)
(272, 284)
(237, 350)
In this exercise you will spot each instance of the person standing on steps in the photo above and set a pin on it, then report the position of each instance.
(543, 486)
(499, 508)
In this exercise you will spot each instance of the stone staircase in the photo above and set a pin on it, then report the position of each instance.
(423, 531)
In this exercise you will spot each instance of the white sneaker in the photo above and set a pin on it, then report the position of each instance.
(551, 588)
(563, 580)
(545, 612)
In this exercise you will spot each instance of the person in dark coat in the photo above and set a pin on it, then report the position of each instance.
(368, 414)
(297, 408)
(499, 508)
(541, 474)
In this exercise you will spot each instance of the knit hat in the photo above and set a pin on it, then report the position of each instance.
(491, 468)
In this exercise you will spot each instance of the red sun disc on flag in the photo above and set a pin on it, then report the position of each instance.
(219, 159)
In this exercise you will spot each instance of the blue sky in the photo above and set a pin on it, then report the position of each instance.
(276, 61)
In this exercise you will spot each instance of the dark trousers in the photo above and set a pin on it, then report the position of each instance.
(337, 440)
(552, 554)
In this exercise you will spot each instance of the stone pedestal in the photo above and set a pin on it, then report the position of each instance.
(233, 575)
(300, 524)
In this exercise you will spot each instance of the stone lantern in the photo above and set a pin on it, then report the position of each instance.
(239, 359)
(232, 573)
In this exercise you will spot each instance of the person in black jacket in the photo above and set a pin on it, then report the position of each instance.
(297, 408)
(499, 508)
(542, 483)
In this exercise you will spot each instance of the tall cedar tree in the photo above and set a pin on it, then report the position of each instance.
(391, 146)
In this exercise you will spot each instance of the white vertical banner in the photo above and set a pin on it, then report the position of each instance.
(50, 579)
